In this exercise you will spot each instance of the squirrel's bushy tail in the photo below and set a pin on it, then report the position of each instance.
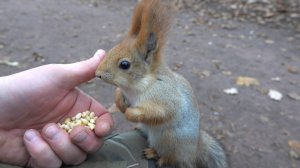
(213, 155)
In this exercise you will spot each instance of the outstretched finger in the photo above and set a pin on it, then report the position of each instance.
(83, 71)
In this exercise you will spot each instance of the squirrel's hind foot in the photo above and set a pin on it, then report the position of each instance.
(150, 153)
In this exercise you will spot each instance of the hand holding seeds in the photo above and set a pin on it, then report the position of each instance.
(31, 109)
(87, 119)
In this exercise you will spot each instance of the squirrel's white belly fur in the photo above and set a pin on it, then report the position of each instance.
(184, 126)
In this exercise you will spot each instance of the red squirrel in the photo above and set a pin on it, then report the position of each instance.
(161, 101)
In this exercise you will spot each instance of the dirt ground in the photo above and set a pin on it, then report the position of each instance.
(253, 128)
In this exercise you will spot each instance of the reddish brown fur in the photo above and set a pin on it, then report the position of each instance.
(149, 113)
(150, 153)
(120, 100)
(136, 20)
(151, 16)
(154, 93)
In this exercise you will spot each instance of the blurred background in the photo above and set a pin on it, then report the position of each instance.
(242, 57)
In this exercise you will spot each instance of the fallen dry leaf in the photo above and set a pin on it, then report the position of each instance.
(9, 63)
(275, 95)
(276, 12)
(206, 73)
(294, 149)
(269, 41)
(179, 65)
(293, 70)
(294, 96)
(38, 57)
(246, 81)
(201, 74)
(227, 73)
(231, 91)
(277, 79)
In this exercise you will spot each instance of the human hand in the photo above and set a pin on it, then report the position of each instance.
(32, 101)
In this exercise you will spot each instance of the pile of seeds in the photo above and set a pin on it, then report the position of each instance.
(87, 119)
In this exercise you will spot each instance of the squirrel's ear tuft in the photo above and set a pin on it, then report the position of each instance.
(136, 21)
(150, 23)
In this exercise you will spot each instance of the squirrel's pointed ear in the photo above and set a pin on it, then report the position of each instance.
(150, 23)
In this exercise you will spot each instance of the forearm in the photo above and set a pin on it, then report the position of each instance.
(149, 113)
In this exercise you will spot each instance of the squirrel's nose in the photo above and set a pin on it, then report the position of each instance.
(99, 74)
(104, 75)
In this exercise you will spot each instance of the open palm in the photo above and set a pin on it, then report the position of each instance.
(33, 100)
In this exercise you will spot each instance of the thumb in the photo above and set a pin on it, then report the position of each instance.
(84, 71)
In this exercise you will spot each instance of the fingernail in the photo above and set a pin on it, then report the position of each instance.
(100, 53)
(51, 132)
(80, 137)
(30, 135)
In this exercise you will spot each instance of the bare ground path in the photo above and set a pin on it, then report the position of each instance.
(253, 128)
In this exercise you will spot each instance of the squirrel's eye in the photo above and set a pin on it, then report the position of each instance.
(124, 65)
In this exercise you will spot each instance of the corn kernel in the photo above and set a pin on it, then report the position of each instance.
(67, 120)
(84, 121)
(93, 121)
(78, 116)
(92, 114)
(91, 126)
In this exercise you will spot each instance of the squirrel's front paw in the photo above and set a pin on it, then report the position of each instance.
(120, 100)
(134, 115)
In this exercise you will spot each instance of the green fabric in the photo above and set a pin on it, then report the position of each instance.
(100, 164)
(124, 147)
(7, 166)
